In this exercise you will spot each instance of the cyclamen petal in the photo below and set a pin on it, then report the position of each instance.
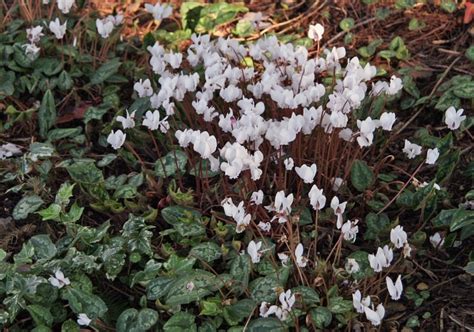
(395, 289)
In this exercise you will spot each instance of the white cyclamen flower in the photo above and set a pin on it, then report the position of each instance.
(437, 240)
(398, 236)
(83, 320)
(284, 258)
(128, 121)
(454, 118)
(143, 88)
(301, 261)
(307, 173)
(375, 316)
(57, 28)
(381, 259)
(253, 249)
(431, 156)
(352, 266)
(65, 5)
(104, 27)
(317, 198)
(116, 139)
(265, 226)
(349, 230)
(289, 164)
(34, 34)
(338, 209)
(360, 303)
(411, 149)
(395, 289)
(287, 300)
(316, 32)
(159, 11)
(257, 197)
(59, 280)
(152, 121)
(337, 183)
(387, 120)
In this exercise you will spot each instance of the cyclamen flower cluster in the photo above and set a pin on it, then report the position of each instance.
(237, 213)
(287, 301)
(34, 35)
(106, 25)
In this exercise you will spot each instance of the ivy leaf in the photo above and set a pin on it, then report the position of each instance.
(362, 176)
(25, 206)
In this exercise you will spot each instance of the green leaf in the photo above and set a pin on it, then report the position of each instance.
(132, 320)
(203, 18)
(49, 66)
(308, 295)
(193, 287)
(338, 305)
(40, 314)
(207, 251)
(447, 100)
(187, 222)
(7, 80)
(266, 324)
(446, 165)
(159, 287)
(362, 176)
(85, 172)
(25, 206)
(61, 133)
(469, 53)
(180, 322)
(416, 24)
(465, 90)
(469, 268)
(377, 225)
(81, 301)
(321, 317)
(264, 289)
(46, 113)
(70, 326)
(52, 212)
(347, 24)
(239, 311)
(105, 71)
(244, 28)
(174, 161)
(64, 194)
(43, 246)
(462, 218)
(240, 269)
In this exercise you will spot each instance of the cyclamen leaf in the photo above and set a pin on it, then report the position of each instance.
(362, 176)
(26, 205)
(208, 251)
(46, 113)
